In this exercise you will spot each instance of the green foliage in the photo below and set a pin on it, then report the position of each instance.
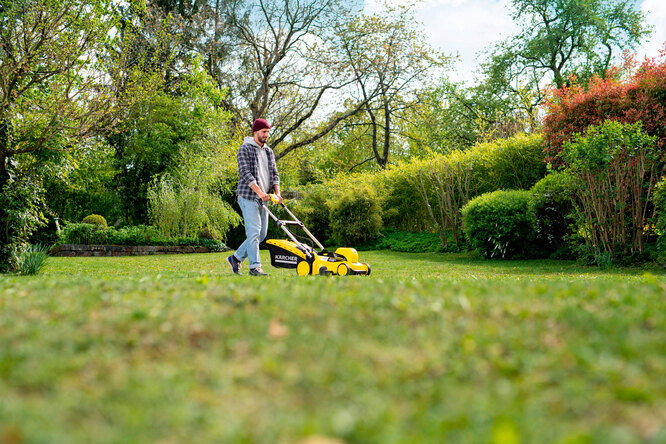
(516, 163)
(355, 217)
(30, 259)
(345, 210)
(450, 180)
(499, 224)
(402, 206)
(185, 207)
(408, 242)
(615, 166)
(136, 235)
(313, 209)
(95, 219)
(209, 233)
(60, 87)
(86, 184)
(454, 117)
(551, 206)
(84, 234)
(659, 202)
(559, 40)
(21, 212)
(442, 122)
(179, 132)
(444, 186)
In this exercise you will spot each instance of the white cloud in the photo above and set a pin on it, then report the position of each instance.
(467, 27)
(655, 14)
(460, 27)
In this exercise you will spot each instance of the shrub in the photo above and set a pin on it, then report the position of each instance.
(83, 233)
(450, 180)
(95, 219)
(22, 200)
(551, 206)
(659, 202)
(402, 206)
(615, 165)
(313, 210)
(355, 217)
(208, 233)
(640, 98)
(136, 235)
(409, 242)
(183, 209)
(499, 224)
(131, 235)
(515, 163)
(30, 259)
(444, 189)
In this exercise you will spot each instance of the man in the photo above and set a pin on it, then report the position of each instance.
(257, 177)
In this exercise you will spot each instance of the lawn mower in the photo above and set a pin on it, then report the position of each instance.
(304, 258)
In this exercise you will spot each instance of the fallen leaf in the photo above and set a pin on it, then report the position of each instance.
(11, 435)
(277, 330)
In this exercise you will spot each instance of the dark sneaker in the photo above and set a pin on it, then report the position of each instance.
(257, 272)
(234, 264)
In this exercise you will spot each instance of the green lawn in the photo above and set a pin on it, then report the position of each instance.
(436, 348)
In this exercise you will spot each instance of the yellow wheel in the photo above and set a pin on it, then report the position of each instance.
(303, 268)
(368, 267)
(343, 269)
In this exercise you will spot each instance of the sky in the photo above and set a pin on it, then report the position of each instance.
(466, 27)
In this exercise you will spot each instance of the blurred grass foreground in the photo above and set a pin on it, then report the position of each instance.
(431, 348)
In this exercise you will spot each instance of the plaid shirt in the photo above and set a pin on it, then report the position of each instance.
(248, 162)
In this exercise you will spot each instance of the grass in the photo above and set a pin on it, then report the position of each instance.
(429, 348)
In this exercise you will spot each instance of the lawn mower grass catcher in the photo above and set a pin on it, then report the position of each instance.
(304, 258)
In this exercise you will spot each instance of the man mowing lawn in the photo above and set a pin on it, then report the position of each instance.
(257, 177)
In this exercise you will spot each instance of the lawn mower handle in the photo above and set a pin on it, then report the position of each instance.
(295, 221)
(274, 199)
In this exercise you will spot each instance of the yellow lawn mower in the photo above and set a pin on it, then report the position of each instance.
(304, 258)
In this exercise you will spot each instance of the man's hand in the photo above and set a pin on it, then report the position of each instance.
(279, 198)
(263, 196)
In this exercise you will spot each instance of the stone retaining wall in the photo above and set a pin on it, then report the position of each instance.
(70, 250)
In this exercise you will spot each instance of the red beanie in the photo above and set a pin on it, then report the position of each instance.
(260, 124)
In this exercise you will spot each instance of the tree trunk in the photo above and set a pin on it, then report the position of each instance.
(387, 134)
(4, 178)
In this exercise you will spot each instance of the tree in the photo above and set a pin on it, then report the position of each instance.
(390, 60)
(162, 130)
(52, 94)
(282, 68)
(451, 116)
(560, 39)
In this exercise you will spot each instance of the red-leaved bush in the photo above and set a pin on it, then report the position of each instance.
(641, 97)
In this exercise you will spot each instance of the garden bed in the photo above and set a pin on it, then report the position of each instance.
(71, 250)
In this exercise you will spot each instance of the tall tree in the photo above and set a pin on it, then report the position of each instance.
(283, 67)
(52, 94)
(559, 39)
(391, 61)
